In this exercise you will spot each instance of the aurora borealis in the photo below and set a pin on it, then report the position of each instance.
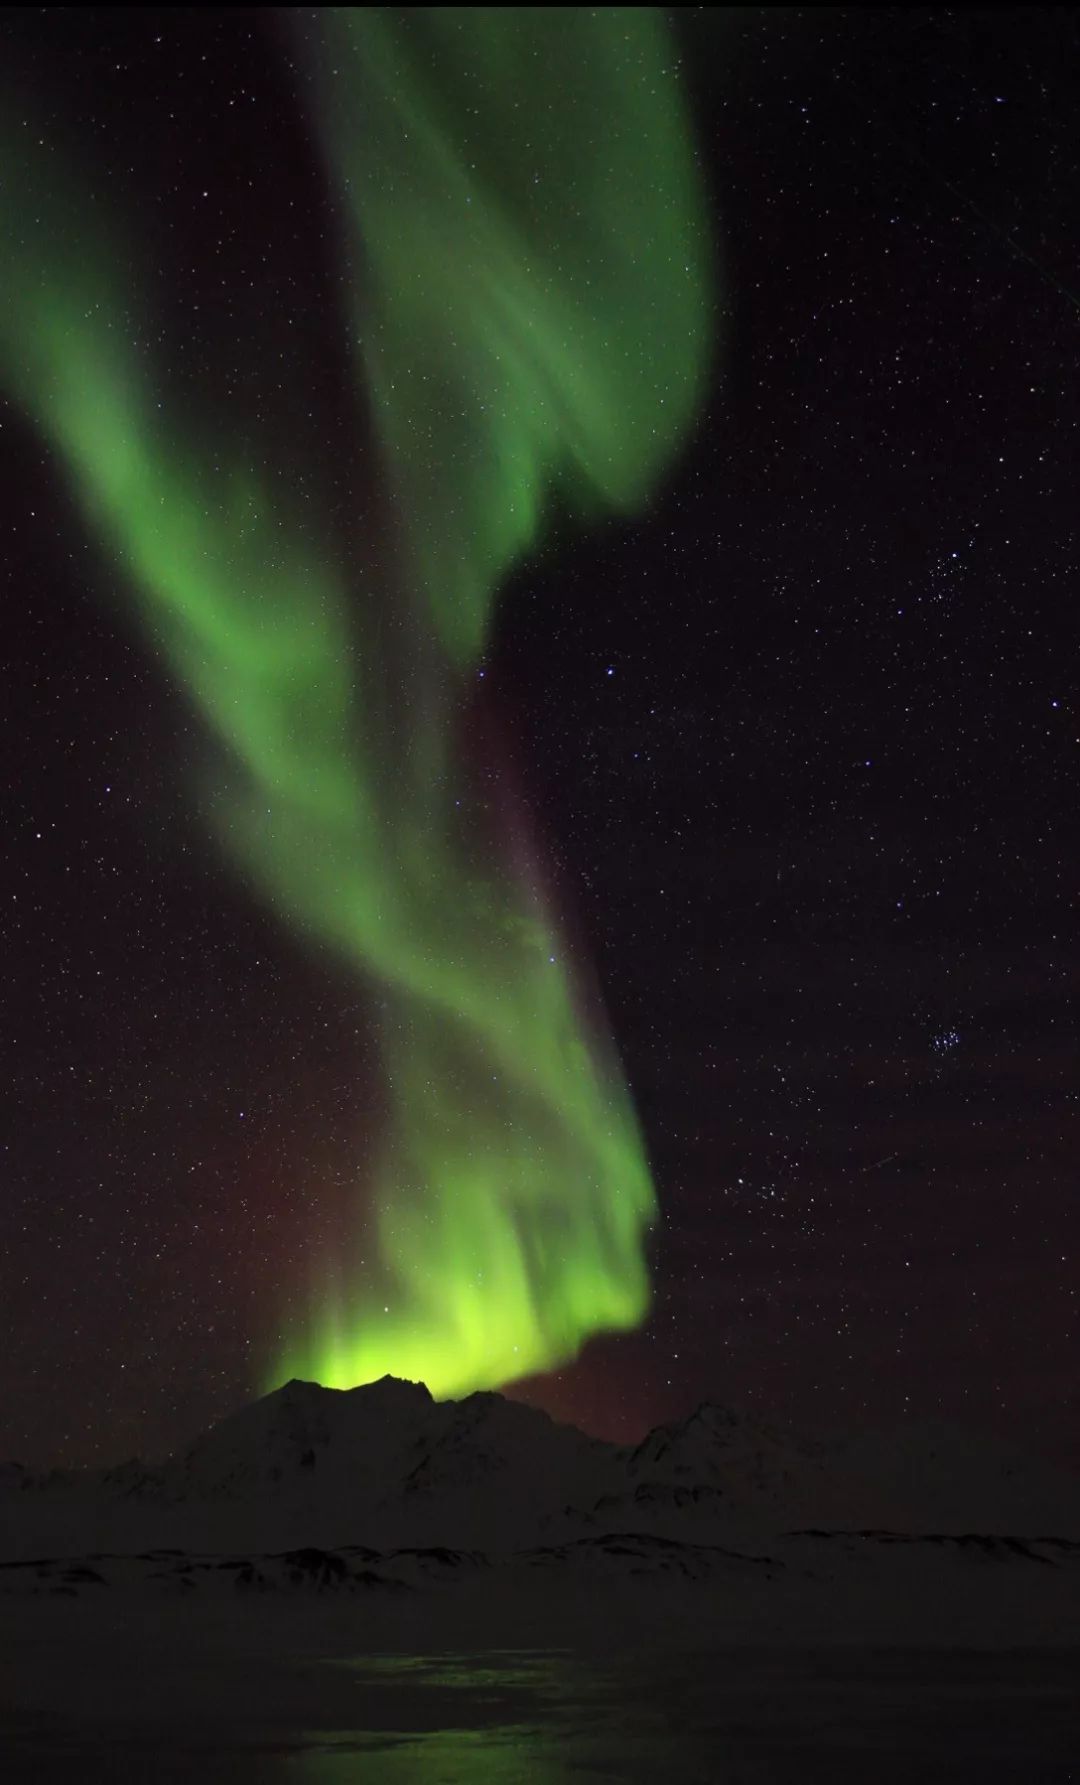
(525, 293)
(470, 821)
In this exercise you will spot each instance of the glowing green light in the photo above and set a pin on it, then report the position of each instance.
(518, 187)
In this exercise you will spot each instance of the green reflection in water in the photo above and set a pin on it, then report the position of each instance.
(537, 1717)
(494, 1756)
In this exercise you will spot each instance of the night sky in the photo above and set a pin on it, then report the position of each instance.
(801, 742)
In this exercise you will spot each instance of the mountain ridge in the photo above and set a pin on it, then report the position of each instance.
(386, 1465)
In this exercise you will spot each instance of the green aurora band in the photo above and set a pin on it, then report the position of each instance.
(519, 188)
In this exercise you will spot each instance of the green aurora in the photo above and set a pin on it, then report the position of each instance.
(531, 321)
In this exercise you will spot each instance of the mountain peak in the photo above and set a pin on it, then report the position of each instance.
(298, 1390)
(399, 1388)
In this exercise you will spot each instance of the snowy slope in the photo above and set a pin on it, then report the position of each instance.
(720, 1471)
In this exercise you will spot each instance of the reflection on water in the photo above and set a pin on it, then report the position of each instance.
(555, 1717)
(516, 1752)
(541, 1717)
(552, 1717)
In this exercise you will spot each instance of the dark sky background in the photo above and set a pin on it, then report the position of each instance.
(803, 739)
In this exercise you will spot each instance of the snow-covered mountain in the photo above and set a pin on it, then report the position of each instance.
(386, 1467)
(385, 1463)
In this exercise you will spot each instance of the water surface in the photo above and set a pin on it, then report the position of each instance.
(561, 1717)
